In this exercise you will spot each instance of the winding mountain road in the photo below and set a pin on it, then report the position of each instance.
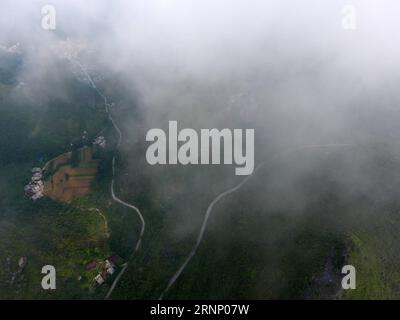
(209, 209)
(112, 191)
(226, 193)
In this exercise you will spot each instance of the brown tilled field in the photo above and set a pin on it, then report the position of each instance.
(70, 181)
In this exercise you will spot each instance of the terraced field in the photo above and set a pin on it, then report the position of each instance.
(73, 175)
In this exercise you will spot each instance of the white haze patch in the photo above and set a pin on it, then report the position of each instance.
(293, 58)
(287, 69)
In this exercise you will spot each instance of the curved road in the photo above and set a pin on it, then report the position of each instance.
(209, 209)
(227, 192)
(114, 197)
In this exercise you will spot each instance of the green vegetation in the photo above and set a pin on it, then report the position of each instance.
(285, 235)
(47, 232)
(41, 128)
(288, 242)
(376, 255)
(63, 236)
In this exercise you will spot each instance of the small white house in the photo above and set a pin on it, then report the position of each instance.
(99, 279)
(109, 264)
(110, 270)
(37, 177)
(100, 141)
(37, 196)
(110, 267)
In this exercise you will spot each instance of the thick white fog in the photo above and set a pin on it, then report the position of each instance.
(300, 73)
(267, 63)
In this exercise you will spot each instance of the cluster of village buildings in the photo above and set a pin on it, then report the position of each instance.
(107, 269)
(100, 141)
(34, 189)
(14, 49)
